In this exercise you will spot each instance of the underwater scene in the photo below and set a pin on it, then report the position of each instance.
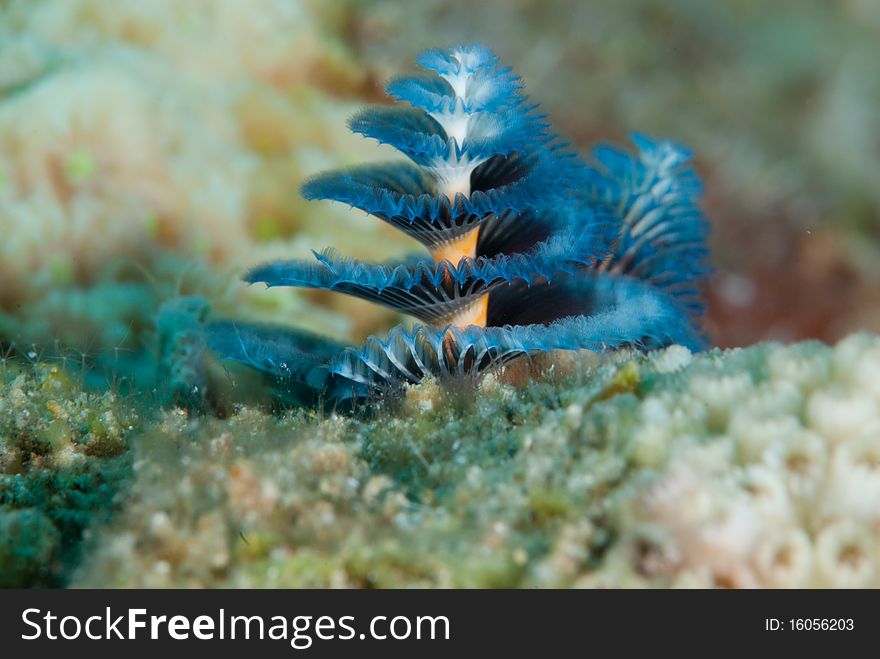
(439, 294)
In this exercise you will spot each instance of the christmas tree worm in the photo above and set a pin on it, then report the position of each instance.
(528, 248)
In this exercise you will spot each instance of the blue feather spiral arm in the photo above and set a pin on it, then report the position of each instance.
(528, 247)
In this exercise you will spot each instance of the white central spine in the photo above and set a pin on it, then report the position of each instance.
(454, 172)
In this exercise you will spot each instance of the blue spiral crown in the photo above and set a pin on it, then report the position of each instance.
(529, 248)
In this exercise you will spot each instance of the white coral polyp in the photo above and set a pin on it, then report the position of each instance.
(649, 446)
(721, 394)
(866, 373)
(755, 436)
(850, 353)
(773, 399)
(845, 555)
(767, 493)
(709, 523)
(853, 489)
(801, 457)
(671, 359)
(678, 414)
(784, 559)
(804, 369)
(840, 414)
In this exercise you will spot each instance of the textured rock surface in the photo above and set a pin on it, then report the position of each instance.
(63, 458)
(752, 467)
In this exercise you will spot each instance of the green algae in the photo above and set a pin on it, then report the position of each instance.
(80, 166)
(63, 458)
(29, 543)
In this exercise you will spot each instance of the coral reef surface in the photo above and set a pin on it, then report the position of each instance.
(63, 459)
(737, 468)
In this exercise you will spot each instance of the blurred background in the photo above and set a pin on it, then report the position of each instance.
(156, 147)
